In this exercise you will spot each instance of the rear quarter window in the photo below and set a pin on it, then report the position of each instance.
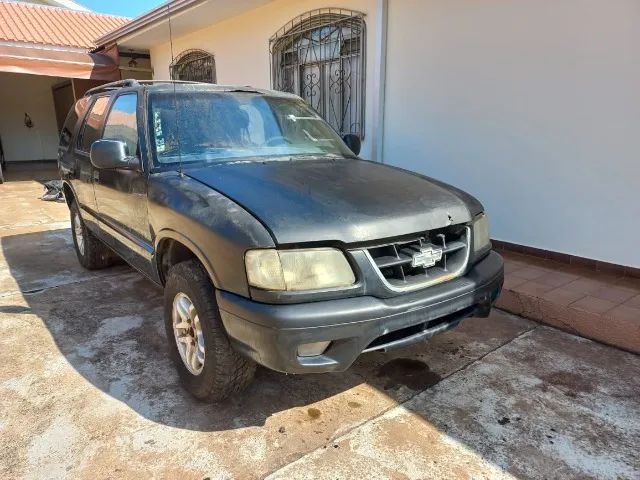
(77, 111)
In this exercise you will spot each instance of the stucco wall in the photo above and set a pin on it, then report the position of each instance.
(241, 45)
(30, 94)
(533, 106)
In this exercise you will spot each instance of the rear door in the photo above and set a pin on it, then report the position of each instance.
(89, 132)
(66, 155)
(121, 194)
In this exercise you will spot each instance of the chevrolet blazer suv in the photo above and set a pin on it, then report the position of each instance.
(274, 243)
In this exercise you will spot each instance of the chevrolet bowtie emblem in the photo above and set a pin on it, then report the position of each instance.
(426, 257)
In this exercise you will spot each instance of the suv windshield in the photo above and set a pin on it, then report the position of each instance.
(225, 126)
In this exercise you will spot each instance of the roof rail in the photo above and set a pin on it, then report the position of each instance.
(131, 83)
(151, 82)
(111, 86)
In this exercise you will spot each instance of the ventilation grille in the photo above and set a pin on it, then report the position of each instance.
(436, 257)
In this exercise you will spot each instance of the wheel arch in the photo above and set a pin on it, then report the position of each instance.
(172, 247)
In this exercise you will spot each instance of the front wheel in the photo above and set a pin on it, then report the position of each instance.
(208, 366)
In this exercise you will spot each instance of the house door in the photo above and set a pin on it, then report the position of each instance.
(63, 100)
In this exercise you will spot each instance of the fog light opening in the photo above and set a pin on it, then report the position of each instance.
(312, 349)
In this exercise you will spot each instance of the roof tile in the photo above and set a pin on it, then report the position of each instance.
(29, 23)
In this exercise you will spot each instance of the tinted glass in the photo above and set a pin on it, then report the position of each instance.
(121, 122)
(70, 123)
(217, 127)
(91, 128)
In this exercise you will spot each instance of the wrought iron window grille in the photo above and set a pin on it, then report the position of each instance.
(195, 66)
(321, 57)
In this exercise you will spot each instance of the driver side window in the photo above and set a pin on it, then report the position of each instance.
(122, 122)
(91, 128)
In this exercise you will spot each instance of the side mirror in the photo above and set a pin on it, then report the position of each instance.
(353, 142)
(112, 154)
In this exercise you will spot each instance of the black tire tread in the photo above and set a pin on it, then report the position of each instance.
(230, 373)
(96, 254)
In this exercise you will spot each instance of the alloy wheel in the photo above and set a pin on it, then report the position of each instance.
(188, 333)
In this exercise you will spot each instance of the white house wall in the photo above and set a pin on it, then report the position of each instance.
(532, 106)
(241, 45)
(31, 94)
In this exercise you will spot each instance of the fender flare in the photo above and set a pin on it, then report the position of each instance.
(168, 233)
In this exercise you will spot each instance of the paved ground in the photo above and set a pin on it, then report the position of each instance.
(86, 390)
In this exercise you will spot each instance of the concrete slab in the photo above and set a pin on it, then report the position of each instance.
(21, 204)
(546, 405)
(35, 260)
(97, 368)
(87, 391)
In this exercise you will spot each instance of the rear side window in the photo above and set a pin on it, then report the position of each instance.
(76, 112)
(121, 123)
(91, 129)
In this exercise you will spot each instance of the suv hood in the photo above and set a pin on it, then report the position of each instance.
(341, 200)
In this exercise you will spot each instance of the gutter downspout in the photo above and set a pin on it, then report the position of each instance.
(379, 80)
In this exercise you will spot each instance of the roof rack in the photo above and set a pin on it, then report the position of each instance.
(150, 82)
(111, 86)
(130, 83)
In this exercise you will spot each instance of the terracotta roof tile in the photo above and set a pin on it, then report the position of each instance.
(25, 22)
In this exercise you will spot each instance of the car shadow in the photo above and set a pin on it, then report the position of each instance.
(109, 326)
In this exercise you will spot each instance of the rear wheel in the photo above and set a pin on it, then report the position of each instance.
(209, 368)
(91, 252)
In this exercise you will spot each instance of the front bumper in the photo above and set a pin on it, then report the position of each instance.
(270, 334)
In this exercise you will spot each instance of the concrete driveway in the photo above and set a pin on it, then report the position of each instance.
(87, 391)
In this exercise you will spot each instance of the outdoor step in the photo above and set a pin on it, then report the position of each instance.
(595, 305)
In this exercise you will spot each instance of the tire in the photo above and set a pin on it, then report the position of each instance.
(221, 371)
(92, 253)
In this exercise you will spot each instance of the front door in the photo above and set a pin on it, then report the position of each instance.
(121, 194)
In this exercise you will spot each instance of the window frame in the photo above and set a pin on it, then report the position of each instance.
(185, 57)
(110, 105)
(80, 135)
(300, 31)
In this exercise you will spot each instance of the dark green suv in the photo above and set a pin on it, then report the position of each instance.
(274, 242)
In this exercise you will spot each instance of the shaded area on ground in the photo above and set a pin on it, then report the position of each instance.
(109, 327)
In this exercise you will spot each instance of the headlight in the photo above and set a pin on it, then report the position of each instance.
(309, 269)
(481, 238)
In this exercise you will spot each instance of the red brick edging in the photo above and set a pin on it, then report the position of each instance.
(596, 306)
(618, 332)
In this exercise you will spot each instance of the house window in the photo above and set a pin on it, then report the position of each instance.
(194, 66)
(321, 57)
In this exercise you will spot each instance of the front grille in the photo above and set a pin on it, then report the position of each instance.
(435, 257)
